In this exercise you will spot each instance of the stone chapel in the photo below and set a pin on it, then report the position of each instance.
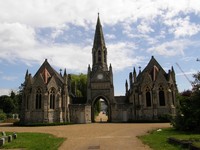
(150, 93)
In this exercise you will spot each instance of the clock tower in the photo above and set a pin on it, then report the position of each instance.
(100, 77)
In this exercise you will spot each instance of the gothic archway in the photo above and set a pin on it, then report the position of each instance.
(104, 112)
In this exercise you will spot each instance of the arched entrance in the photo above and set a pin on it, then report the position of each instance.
(100, 111)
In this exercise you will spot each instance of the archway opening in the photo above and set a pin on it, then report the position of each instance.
(100, 111)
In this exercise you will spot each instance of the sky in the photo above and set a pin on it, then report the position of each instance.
(62, 31)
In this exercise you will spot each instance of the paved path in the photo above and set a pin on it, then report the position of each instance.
(103, 136)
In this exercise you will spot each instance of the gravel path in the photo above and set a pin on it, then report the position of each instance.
(95, 136)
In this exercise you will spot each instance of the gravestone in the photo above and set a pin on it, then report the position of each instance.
(10, 138)
(2, 141)
(3, 133)
(14, 135)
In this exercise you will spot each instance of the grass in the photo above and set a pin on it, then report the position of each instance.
(158, 139)
(34, 141)
(196, 144)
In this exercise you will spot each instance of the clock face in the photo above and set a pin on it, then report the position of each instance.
(100, 76)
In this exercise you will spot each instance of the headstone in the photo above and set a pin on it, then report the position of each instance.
(10, 138)
(2, 141)
(3, 133)
(14, 135)
(17, 116)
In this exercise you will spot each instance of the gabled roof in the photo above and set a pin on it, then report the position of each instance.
(153, 64)
(47, 71)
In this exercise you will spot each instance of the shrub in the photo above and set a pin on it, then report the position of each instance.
(188, 117)
(2, 115)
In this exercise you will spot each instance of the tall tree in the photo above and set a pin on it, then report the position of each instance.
(188, 117)
(79, 85)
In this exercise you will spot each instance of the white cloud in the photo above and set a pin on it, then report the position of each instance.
(171, 48)
(9, 78)
(144, 28)
(43, 13)
(182, 27)
(110, 36)
(121, 55)
(14, 38)
(4, 91)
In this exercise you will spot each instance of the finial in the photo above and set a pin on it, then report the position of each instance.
(139, 69)
(65, 72)
(60, 72)
(98, 14)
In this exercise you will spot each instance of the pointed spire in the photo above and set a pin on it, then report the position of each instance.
(126, 86)
(134, 71)
(134, 75)
(172, 69)
(26, 73)
(99, 37)
(131, 79)
(99, 50)
(110, 68)
(65, 72)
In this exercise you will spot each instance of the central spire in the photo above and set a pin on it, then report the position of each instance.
(98, 38)
(99, 50)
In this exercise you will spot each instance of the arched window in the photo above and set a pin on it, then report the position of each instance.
(52, 99)
(161, 96)
(38, 101)
(148, 97)
(99, 56)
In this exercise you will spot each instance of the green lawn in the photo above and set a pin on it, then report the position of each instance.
(157, 140)
(35, 141)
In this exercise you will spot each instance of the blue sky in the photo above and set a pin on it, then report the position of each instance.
(63, 31)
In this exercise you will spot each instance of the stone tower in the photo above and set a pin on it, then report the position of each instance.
(100, 77)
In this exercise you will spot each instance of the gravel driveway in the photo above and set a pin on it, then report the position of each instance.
(95, 136)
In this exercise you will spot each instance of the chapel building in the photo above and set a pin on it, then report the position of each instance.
(150, 93)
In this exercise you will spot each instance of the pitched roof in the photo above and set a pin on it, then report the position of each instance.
(153, 64)
(47, 71)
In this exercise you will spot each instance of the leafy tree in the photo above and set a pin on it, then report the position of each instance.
(97, 107)
(11, 104)
(79, 85)
(2, 115)
(188, 117)
(7, 104)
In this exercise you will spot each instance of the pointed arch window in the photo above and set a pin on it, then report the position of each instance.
(161, 96)
(148, 97)
(52, 98)
(99, 56)
(38, 100)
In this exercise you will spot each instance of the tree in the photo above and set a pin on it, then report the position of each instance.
(7, 104)
(97, 107)
(188, 117)
(11, 104)
(79, 85)
(2, 115)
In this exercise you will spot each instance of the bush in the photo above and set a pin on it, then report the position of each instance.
(2, 115)
(188, 117)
